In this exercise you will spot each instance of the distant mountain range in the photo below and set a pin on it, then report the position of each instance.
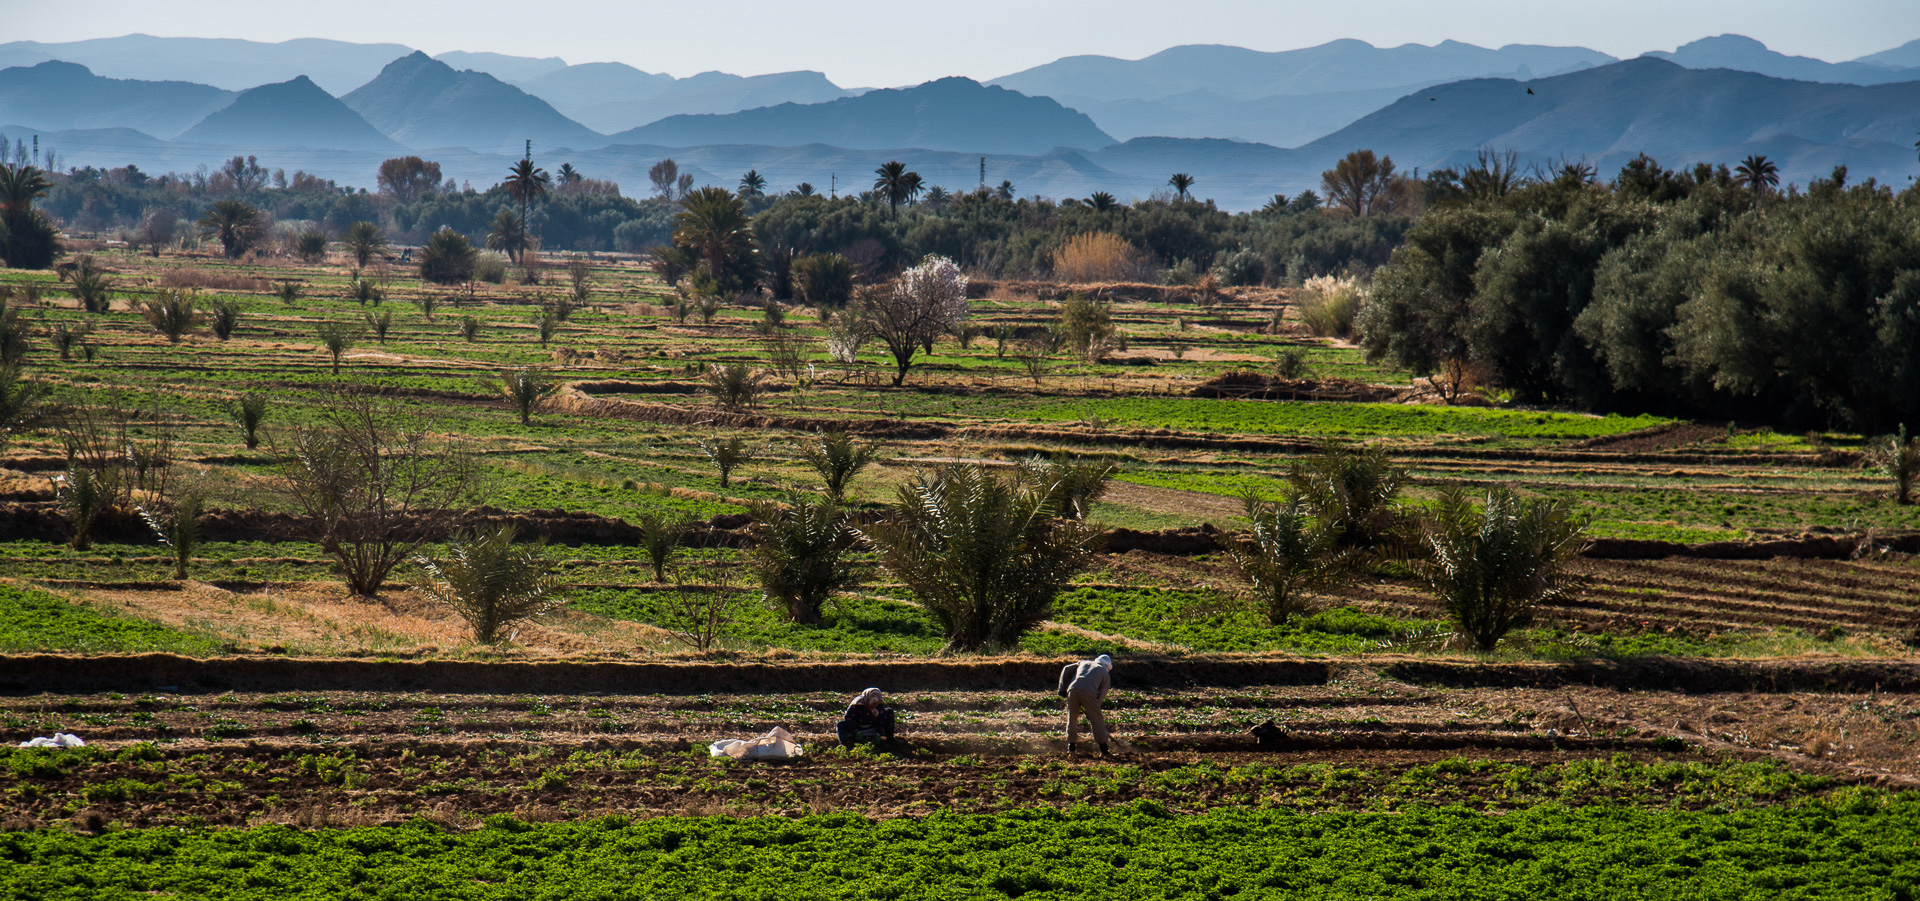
(426, 104)
(956, 114)
(234, 65)
(1609, 114)
(474, 122)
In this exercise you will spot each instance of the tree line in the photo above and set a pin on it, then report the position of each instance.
(1706, 292)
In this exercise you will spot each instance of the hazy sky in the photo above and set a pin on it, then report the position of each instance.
(868, 44)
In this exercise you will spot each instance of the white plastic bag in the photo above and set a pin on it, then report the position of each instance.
(775, 745)
(59, 740)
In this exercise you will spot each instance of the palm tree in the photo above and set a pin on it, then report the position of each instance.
(1898, 458)
(713, 222)
(985, 557)
(1276, 204)
(800, 552)
(1181, 183)
(492, 581)
(524, 389)
(1491, 565)
(338, 339)
(910, 184)
(20, 186)
(938, 198)
(28, 239)
(1287, 552)
(893, 184)
(525, 182)
(1102, 202)
(753, 184)
(727, 454)
(508, 232)
(661, 534)
(569, 175)
(236, 223)
(804, 189)
(172, 313)
(838, 458)
(364, 240)
(249, 410)
(1005, 191)
(1758, 174)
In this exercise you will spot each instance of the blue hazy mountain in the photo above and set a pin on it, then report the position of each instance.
(1732, 51)
(229, 64)
(612, 97)
(426, 104)
(957, 114)
(57, 96)
(292, 113)
(1285, 98)
(1677, 115)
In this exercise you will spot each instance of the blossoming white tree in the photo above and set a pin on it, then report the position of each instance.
(922, 304)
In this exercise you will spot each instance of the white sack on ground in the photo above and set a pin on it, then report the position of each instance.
(775, 745)
(59, 740)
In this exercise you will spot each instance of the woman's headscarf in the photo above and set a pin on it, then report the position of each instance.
(1104, 662)
(870, 696)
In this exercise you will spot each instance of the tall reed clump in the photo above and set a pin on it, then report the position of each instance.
(1096, 257)
(1329, 305)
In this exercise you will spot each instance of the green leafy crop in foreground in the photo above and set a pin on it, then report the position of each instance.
(1856, 846)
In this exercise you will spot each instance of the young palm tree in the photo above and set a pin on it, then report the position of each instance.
(492, 581)
(249, 410)
(1182, 183)
(1898, 457)
(238, 224)
(800, 552)
(21, 406)
(525, 182)
(1102, 202)
(524, 389)
(661, 534)
(379, 324)
(728, 454)
(1355, 492)
(508, 233)
(569, 175)
(223, 317)
(938, 198)
(91, 285)
(338, 338)
(1492, 564)
(448, 258)
(1286, 553)
(172, 313)
(177, 525)
(985, 557)
(364, 241)
(83, 493)
(838, 458)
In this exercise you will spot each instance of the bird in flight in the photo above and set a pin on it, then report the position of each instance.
(1529, 90)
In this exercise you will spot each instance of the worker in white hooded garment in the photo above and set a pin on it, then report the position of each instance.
(1085, 685)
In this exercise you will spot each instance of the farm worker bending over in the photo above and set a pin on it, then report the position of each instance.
(866, 720)
(1084, 685)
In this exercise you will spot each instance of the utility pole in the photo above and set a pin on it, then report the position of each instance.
(983, 174)
(36, 151)
(833, 186)
(529, 148)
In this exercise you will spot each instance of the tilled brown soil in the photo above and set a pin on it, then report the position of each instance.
(1365, 734)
